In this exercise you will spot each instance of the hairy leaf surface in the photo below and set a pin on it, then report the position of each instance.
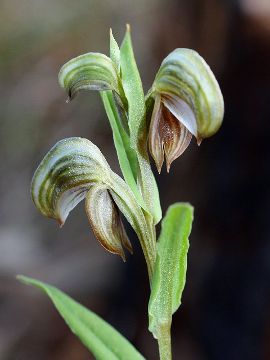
(137, 124)
(170, 269)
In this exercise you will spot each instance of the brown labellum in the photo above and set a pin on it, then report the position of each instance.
(167, 135)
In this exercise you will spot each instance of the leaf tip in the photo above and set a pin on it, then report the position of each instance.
(20, 277)
(23, 279)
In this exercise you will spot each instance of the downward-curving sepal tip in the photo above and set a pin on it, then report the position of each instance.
(74, 169)
(187, 101)
(65, 175)
(105, 220)
(91, 71)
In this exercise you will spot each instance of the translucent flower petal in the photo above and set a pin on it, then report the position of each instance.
(176, 137)
(182, 111)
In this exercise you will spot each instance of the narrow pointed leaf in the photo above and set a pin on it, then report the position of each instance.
(170, 269)
(105, 220)
(137, 124)
(99, 337)
(126, 155)
(114, 51)
(91, 71)
(116, 115)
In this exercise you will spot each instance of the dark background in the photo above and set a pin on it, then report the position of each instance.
(226, 305)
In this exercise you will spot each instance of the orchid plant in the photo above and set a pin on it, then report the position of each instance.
(184, 101)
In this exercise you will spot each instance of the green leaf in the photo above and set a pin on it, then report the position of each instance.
(91, 71)
(114, 51)
(137, 124)
(126, 155)
(170, 269)
(100, 338)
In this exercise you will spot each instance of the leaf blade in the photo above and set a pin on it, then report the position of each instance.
(170, 269)
(98, 336)
(114, 51)
(127, 157)
(137, 124)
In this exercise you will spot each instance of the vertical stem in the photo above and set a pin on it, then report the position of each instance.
(151, 247)
(150, 265)
(164, 342)
(148, 244)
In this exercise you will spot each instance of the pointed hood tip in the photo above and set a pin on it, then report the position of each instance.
(199, 140)
(60, 222)
(123, 256)
(168, 164)
(70, 96)
(129, 249)
(159, 165)
(127, 245)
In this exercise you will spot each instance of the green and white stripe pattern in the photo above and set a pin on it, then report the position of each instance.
(91, 71)
(186, 83)
(66, 174)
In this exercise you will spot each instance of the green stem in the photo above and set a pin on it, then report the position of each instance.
(150, 262)
(128, 163)
(164, 342)
(150, 247)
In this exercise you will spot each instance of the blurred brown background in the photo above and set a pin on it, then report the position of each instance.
(226, 304)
